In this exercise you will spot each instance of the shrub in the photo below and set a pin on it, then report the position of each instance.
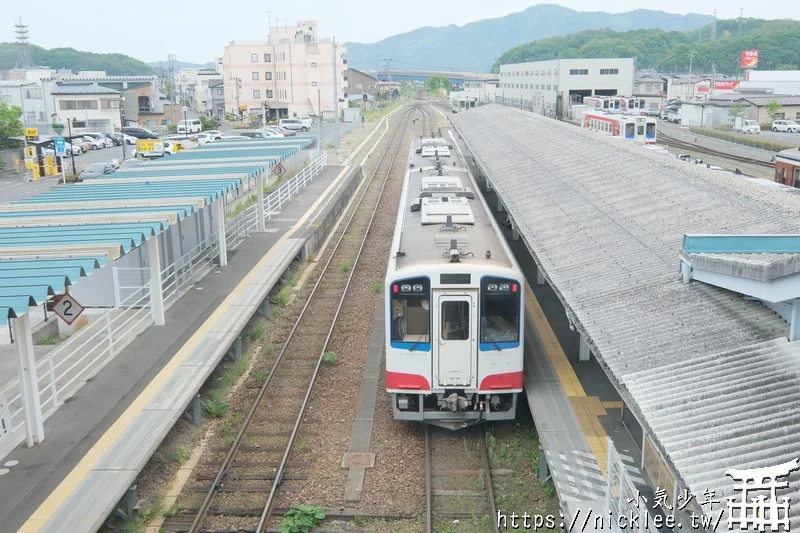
(748, 140)
(179, 455)
(301, 519)
(377, 288)
(330, 358)
(345, 267)
(256, 332)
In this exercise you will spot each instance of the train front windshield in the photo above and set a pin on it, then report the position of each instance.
(500, 301)
(411, 313)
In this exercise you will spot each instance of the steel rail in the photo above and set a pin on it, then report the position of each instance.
(223, 469)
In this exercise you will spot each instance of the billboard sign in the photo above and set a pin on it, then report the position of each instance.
(720, 85)
(32, 134)
(749, 58)
(150, 148)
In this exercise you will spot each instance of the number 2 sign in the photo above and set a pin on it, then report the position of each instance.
(68, 309)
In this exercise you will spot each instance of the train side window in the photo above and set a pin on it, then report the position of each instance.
(411, 310)
(455, 320)
(500, 301)
(629, 131)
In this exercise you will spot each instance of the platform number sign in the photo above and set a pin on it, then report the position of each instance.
(68, 309)
(279, 170)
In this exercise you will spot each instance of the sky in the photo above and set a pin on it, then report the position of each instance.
(198, 30)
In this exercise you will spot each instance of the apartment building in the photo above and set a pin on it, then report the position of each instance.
(292, 73)
(550, 86)
(195, 87)
(88, 107)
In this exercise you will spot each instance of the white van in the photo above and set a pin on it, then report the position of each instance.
(190, 126)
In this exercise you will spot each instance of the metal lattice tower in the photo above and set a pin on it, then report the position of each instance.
(24, 58)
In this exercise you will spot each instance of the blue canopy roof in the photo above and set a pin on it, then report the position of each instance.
(37, 230)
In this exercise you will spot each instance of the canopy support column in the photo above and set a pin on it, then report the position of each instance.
(260, 210)
(156, 291)
(223, 244)
(29, 389)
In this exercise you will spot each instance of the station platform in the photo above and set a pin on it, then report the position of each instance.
(97, 442)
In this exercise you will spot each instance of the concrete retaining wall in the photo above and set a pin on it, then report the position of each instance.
(316, 234)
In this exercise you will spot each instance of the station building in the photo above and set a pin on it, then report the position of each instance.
(550, 87)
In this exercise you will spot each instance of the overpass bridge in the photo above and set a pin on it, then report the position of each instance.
(455, 77)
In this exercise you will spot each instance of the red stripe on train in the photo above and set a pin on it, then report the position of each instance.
(509, 380)
(401, 380)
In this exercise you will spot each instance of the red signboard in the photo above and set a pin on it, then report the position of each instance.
(721, 85)
(749, 58)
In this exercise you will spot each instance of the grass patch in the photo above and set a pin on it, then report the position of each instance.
(215, 407)
(256, 332)
(301, 446)
(301, 519)
(48, 341)
(261, 375)
(179, 455)
(283, 296)
(138, 522)
(377, 288)
(345, 267)
(173, 510)
(739, 138)
(549, 488)
(330, 358)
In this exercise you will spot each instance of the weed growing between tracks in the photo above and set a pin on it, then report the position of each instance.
(514, 455)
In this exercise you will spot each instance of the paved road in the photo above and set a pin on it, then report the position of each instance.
(16, 186)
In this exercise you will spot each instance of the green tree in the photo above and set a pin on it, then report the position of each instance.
(737, 110)
(437, 84)
(10, 125)
(209, 123)
(773, 109)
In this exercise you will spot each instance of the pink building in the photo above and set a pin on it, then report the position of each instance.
(291, 73)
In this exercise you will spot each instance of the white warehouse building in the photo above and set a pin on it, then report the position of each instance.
(550, 87)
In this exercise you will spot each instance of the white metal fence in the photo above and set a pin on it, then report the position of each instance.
(622, 497)
(64, 370)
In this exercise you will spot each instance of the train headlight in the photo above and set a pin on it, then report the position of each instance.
(491, 287)
(417, 288)
(505, 287)
(405, 288)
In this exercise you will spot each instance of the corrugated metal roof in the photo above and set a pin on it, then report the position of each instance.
(709, 373)
(82, 89)
(68, 231)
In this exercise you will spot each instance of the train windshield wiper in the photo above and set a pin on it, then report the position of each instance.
(414, 346)
(496, 346)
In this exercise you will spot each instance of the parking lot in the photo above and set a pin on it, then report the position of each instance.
(791, 138)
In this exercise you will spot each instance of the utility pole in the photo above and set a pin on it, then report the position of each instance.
(713, 80)
(336, 94)
(389, 75)
(714, 27)
(171, 59)
(691, 57)
(741, 11)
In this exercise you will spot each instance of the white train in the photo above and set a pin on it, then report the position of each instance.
(640, 129)
(616, 104)
(454, 300)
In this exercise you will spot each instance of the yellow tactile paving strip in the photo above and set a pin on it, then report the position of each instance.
(587, 409)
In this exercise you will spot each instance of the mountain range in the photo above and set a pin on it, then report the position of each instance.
(477, 45)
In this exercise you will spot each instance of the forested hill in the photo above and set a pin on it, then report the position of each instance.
(777, 40)
(75, 60)
(475, 46)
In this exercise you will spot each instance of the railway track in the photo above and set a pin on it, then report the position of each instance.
(683, 145)
(243, 488)
(458, 481)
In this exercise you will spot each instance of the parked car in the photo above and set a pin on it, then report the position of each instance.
(191, 125)
(96, 170)
(82, 144)
(651, 112)
(94, 143)
(747, 126)
(261, 134)
(280, 131)
(116, 138)
(139, 133)
(107, 142)
(128, 139)
(204, 138)
(789, 126)
(294, 124)
(237, 137)
(215, 134)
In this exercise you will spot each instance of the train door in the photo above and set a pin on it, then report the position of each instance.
(455, 329)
